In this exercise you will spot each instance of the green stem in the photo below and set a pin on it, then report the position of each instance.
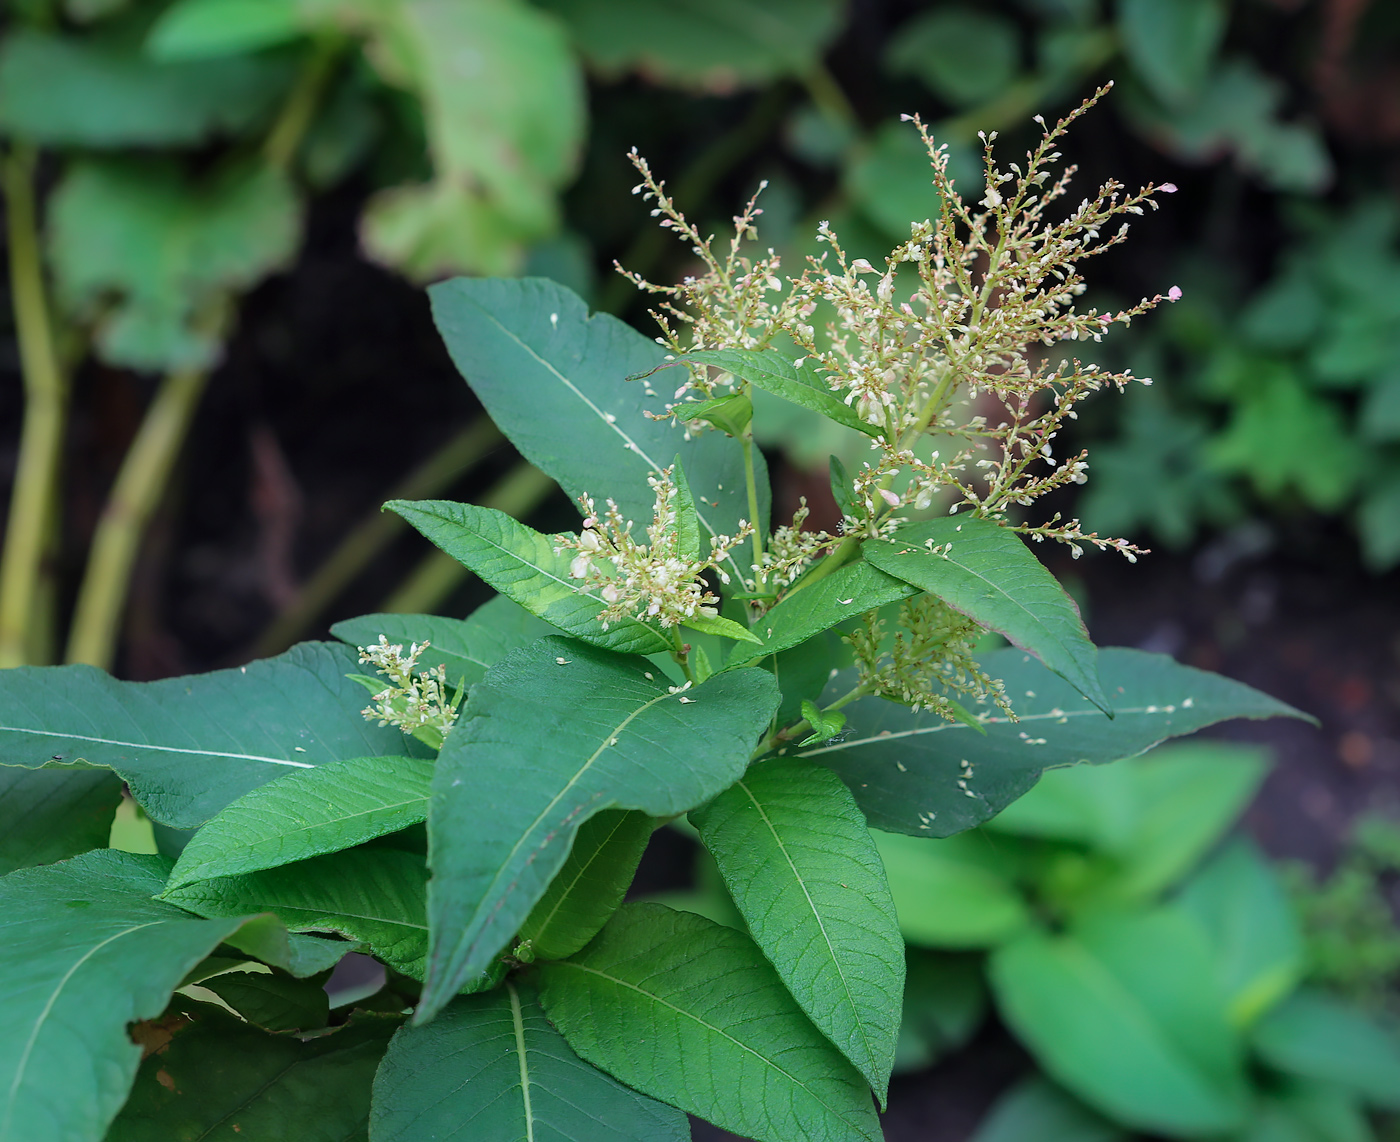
(285, 138)
(374, 533)
(751, 486)
(829, 98)
(35, 494)
(778, 737)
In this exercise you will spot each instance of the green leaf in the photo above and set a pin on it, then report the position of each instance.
(1035, 1110)
(265, 938)
(85, 951)
(205, 29)
(522, 564)
(427, 231)
(841, 489)
(687, 522)
(771, 371)
(67, 91)
(189, 746)
(1246, 913)
(467, 648)
(824, 726)
(658, 990)
(843, 595)
(1122, 1012)
(730, 414)
(49, 814)
(945, 1002)
(273, 1001)
(962, 55)
(723, 627)
(710, 44)
(953, 893)
(1315, 1037)
(799, 862)
(217, 1077)
(375, 896)
(1172, 46)
(307, 813)
(494, 1065)
(144, 253)
(528, 345)
(590, 885)
(540, 748)
(904, 768)
(989, 575)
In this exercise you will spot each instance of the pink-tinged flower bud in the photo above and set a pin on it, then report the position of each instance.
(861, 266)
(1174, 294)
(889, 497)
(1168, 188)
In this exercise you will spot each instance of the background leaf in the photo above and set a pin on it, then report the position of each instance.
(1172, 46)
(659, 989)
(49, 814)
(961, 54)
(491, 1064)
(1035, 1110)
(189, 746)
(84, 951)
(802, 869)
(273, 1001)
(945, 1002)
(1315, 1037)
(540, 748)
(206, 29)
(904, 768)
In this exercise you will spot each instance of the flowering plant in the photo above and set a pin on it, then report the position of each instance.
(784, 691)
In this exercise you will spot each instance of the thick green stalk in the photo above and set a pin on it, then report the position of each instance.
(751, 486)
(35, 494)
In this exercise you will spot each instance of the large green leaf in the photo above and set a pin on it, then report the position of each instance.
(919, 774)
(1246, 913)
(773, 372)
(376, 896)
(49, 814)
(1172, 46)
(965, 55)
(66, 91)
(307, 813)
(846, 593)
(522, 564)
(84, 952)
(555, 733)
(988, 574)
(590, 885)
(1315, 1037)
(218, 1078)
(143, 252)
(491, 1068)
(272, 1000)
(1122, 1010)
(799, 862)
(528, 346)
(189, 746)
(465, 647)
(690, 1012)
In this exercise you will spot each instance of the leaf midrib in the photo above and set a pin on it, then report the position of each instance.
(154, 746)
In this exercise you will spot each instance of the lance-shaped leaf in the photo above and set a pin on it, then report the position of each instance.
(467, 648)
(491, 1067)
(553, 734)
(375, 896)
(800, 864)
(522, 564)
(308, 813)
(688, 1011)
(687, 522)
(590, 886)
(218, 1077)
(189, 746)
(918, 774)
(844, 594)
(802, 384)
(85, 951)
(987, 573)
(49, 814)
(525, 346)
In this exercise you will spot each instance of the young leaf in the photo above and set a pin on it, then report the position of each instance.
(842, 595)
(989, 575)
(491, 1064)
(530, 345)
(522, 564)
(730, 414)
(687, 522)
(84, 952)
(824, 726)
(799, 862)
(467, 648)
(590, 886)
(217, 1074)
(905, 768)
(372, 895)
(1315, 1037)
(771, 371)
(49, 814)
(307, 813)
(658, 990)
(841, 489)
(543, 745)
(189, 746)
(1122, 1012)
(723, 627)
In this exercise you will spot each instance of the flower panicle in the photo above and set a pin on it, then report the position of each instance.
(415, 701)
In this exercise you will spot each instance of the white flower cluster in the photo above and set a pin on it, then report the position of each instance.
(652, 581)
(418, 706)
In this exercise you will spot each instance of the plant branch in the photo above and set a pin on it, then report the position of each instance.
(294, 120)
